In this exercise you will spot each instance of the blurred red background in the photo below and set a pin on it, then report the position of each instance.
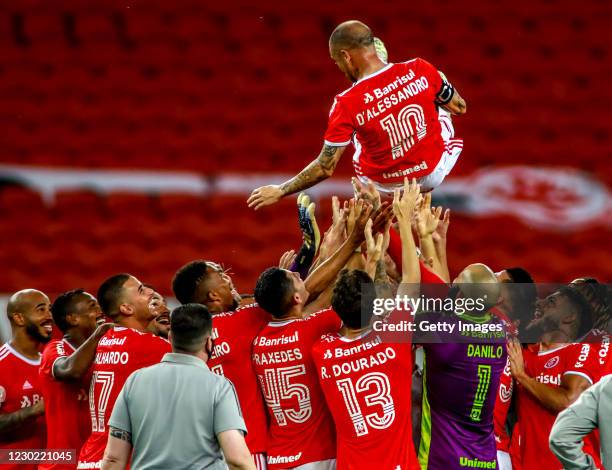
(245, 88)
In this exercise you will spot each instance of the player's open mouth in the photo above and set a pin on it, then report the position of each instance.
(99, 319)
(47, 325)
(163, 319)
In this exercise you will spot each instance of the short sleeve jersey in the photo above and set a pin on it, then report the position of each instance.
(301, 427)
(392, 118)
(233, 334)
(367, 385)
(548, 367)
(120, 352)
(20, 388)
(66, 404)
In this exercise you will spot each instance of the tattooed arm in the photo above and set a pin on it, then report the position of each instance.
(11, 422)
(118, 449)
(318, 170)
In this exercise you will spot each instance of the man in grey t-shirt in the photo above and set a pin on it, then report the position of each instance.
(178, 414)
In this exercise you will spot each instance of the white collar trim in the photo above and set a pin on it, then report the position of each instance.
(378, 72)
(34, 362)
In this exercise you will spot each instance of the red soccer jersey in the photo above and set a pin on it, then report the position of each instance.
(548, 367)
(233, 335)
(66, 405)
(600, 341)
(20, 388)
(502, 406)
(120, 352)
(367, 384)
(301, 427)
(392, 118)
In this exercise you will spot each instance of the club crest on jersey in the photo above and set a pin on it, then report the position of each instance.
(552, 362)
(505, 393)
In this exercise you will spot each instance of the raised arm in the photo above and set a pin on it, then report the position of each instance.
(76, 365)
(403, 207)
(427, 221)
(327, 271)
(319, 169)
(439, 239)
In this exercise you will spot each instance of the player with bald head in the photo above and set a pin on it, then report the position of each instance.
(22, 424)
(465, 351)
(397, 116)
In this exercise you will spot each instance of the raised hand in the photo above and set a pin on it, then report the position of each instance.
(287, 259)
(366, 191)
(363, 210)
(265, 196)
(405, 203)
(374, 246)
(427, 218)
(440, 233)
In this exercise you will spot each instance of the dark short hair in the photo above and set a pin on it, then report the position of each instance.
(354, 289)
(519, 275)
(62, 306)
(190, 324)
(273, 291)
(584, 309)
(109, 294)
(186, 280)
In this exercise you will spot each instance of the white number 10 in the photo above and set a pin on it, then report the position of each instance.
(410, 123)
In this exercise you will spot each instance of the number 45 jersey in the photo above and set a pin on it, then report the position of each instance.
(301, 428)
(367, 384)
(120, 352)
(391, 116)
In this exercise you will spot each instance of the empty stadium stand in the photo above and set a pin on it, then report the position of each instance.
(243, 87)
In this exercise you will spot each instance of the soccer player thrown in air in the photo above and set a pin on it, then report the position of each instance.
(552, 373)
(65, 371)
(22, 424)
(397, 116)
(465, 355)
(301, 430)
(122, 350)
(365, 376)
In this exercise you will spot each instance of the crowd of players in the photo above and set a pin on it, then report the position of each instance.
(318, 386)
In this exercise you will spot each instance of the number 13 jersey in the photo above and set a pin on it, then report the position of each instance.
(301, 428)
(392, 118)
(367, 384)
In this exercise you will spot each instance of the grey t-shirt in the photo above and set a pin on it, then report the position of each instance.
(174, 411)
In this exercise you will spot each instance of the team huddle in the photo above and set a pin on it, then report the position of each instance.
(324, 380)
